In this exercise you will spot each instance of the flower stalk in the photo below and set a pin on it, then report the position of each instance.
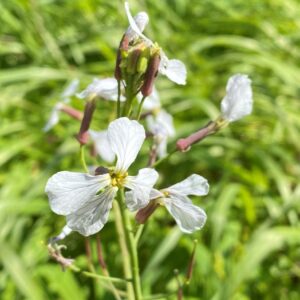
(131, 244)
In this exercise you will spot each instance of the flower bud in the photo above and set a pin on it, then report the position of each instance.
(144, 213)
(150, 75)
(83, 134)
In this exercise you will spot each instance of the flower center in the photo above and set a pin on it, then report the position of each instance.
(117, 179)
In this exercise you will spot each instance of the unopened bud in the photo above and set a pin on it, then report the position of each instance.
(150, 75)
(144, 213)
(83, 134)
(132, 61)
(184, 144)
(124, 45)
(101, 171)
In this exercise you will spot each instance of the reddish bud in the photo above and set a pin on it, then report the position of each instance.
(184, 144)
(150, 75)
(83, 134)
(124, 45)
(144, 213)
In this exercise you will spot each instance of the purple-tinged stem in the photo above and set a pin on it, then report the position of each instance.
(184, 144)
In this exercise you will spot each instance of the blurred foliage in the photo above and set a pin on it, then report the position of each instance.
(249, 248)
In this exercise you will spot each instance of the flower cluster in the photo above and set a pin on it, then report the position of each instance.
(86, 199)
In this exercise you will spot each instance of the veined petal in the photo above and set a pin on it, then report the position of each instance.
(188, 216)
(193, 185)
(238, 101)
(102, 145)
(54, 117)
(174, 69)
(141, 186)
(91, 217)
(69, 191)
(126, 138)
(134, 26)
(154, 194)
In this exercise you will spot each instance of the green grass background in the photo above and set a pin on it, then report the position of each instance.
(249, 248)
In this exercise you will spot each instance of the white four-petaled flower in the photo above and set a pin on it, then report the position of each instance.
(237, 102)
(86, 199)
(188, 216)
(174, 69)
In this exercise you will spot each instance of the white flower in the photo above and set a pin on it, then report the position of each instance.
(162, 128)
(102, 145)
(174, 69)
(106, 88)
(68, 92)
(188, 216)
(238, 100)
(86, 199)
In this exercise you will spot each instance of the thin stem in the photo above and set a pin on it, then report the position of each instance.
(101, 277)
(119, 100)
(124, 250)
(82, 159)
(164, 158)
(131, 244)
(104, 268)
(140, 107)
(88, 252)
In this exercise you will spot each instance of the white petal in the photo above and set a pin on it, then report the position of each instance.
(238, 100)
(154, 194)
(126, 138)
(161, 124)
(54, 117)
(188, 217)
(135, 27)
(106, 88)
(141, 20)
(193, 185)
(141, 186)
(91, 217)
(152, 102)
(102, 145)
(70, 90)
(174, 69)
(68, 191)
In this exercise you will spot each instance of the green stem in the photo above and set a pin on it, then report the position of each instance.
(82, 159)
(119, 100)
(140, 108)
(131, 244)
(124, 250)
(139, 233)
(101, 277)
